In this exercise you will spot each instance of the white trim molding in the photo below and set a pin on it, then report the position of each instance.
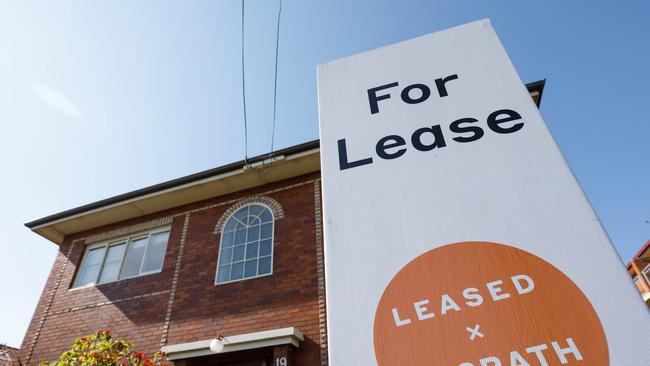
(239, 342)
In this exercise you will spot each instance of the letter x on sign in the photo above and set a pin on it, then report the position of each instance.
(474, 332)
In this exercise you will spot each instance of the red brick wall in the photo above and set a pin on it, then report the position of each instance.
(160, 309)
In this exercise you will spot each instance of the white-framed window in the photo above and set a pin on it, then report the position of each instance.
(246, 249)
(133, 256)
(646, 273)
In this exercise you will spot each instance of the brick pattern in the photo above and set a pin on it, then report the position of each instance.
(139, 320)
(133, 308)
(181, 303)
(232, 201)
(129, 230)
(288, 297)
(282, 352)
(49, 293)
(172, 292)
(108, 302)
(8, 356)
(320, 265)
(275, 207)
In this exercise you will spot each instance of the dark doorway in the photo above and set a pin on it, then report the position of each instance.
(253, 357)
(258, 362)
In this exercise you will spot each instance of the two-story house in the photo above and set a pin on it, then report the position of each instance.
(8, 355)
(639, 269)
(234, 253)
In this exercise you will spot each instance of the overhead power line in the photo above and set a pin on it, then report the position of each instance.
(243, 81)
(275, 77)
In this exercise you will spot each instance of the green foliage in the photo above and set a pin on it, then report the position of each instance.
(101, 349)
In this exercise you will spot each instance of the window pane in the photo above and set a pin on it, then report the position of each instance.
(267, 230)
(226, 240)
(224, 273)
(112, 263)
(90, 267)
(253, 221)
(265, 247)
(265, 265)
(253, 233)
(242, 214)
(95, 256)
(240, 236)
(134, 256)
(251, 251)
(266, 216)
(251, 268)
(156, 252)
(256, 210)
(237, 271)
(226, 255)
(230, 225)
(238, 253)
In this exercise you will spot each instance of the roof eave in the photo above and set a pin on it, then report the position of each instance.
(284, 164)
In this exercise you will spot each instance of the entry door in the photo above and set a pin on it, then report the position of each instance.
(258, 362)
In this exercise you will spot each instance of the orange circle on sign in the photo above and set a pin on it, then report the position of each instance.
(479, 303)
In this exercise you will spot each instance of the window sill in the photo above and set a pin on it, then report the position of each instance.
(242, 279)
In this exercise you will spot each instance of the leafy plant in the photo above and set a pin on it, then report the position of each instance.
(101, 349)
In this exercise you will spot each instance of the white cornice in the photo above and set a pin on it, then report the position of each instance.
(239, 342)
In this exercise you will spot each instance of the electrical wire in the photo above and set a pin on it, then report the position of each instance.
(243, 81)
(275, 78)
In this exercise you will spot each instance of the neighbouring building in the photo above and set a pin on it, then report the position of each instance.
(235, 251)
(639, 269)
(8, 355)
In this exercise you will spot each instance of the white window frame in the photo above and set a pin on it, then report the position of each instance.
(216, 277)
(645, 272)
(126, 240)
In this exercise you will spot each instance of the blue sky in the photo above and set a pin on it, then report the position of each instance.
(103, 97)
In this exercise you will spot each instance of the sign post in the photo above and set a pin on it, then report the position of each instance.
(455, 232)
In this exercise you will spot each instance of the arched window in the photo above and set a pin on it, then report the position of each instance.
(246, 244)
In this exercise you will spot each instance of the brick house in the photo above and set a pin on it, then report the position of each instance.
(8, 355)
(234, 253)
(639, 269)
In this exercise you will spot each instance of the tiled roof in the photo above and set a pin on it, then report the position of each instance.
(7, 355)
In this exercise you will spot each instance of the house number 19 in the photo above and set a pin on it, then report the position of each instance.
(281, 361)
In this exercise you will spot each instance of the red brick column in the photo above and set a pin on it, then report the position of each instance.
(281, 356)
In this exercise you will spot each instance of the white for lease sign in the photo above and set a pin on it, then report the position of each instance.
(455, 232)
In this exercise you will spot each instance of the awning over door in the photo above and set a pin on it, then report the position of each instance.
(239, 342)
